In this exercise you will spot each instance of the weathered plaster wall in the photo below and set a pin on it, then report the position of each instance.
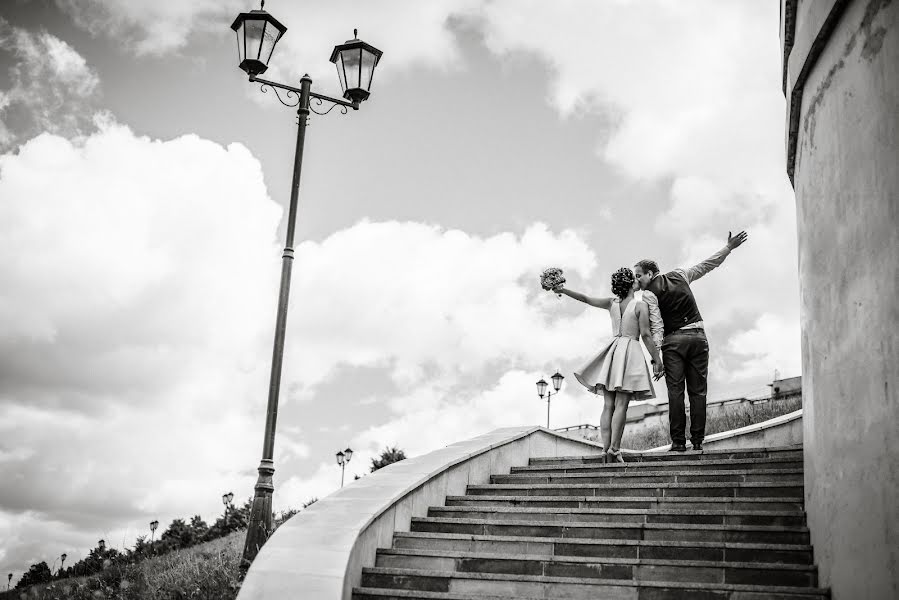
(842, 85)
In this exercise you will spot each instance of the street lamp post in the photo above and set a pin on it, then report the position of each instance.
(541, 391)
(153, 525)
(257, 34)
(342, 459)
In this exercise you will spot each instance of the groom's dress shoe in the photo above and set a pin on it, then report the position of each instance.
(678, 448)
(696, 447)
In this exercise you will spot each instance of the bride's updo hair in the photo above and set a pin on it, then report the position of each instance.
(622, 282)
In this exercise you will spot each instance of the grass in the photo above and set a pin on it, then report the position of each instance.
(203, 572)
(724, 419)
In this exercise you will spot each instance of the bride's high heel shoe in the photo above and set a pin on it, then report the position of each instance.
(614, 456)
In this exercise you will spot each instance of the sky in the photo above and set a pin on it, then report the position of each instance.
(143, 191)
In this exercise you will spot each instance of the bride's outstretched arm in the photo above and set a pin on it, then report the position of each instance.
(605, 303)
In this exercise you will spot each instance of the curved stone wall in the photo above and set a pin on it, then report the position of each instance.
(319, 553)
(841, 81)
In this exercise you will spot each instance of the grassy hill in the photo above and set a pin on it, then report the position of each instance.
(203, 572)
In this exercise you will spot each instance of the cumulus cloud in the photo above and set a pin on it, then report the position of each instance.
(413, 33)
(135, 272)
(408, 296)
(51, 86)
(138, 301)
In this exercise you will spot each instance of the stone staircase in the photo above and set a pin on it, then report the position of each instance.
(713, 525)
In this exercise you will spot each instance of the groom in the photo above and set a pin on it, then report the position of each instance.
(680, 335)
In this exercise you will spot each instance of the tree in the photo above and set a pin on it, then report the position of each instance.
(198, 528)
(310, 502)
(37, 573)
(179, 534)
(388, 457)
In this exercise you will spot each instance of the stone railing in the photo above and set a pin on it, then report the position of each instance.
(645, 416)
(320, 552)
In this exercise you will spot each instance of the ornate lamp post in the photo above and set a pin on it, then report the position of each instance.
(342, 459)
(541, 391)
(227, 498)
(153, 525)
(257, 34)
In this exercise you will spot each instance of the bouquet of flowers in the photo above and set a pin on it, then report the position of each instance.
(551, 279)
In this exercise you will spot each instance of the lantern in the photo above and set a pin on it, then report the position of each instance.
(356, 62)
(257, 33)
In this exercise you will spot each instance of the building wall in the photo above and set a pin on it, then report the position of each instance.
(842, 88)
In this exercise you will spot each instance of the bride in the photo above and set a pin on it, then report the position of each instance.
(619, 371)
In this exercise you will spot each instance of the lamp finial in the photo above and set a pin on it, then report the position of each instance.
(262, 5)
(355, 34)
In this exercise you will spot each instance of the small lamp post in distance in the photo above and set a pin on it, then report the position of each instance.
(343, 457)
(541, 391)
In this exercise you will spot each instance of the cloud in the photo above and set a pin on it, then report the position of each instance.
(131, 326)
(773, 343)
(51, 86)
(695, 85)
(136, 314)
(410, 32)
(410, 296)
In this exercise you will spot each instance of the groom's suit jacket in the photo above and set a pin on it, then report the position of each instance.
(672, 295)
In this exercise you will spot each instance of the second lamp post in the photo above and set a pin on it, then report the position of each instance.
(541, 391)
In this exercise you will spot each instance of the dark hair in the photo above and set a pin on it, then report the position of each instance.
(623, 282)
(648, 265)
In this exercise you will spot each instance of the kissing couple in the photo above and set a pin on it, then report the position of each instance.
(670, 325)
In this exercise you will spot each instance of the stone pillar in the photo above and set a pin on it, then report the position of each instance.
(841, 80)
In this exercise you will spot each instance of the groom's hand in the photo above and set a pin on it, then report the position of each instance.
(657, 371)
(733, 241)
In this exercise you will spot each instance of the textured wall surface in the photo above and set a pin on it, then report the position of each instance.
(842, 86)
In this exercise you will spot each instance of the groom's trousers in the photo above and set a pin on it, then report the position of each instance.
(685, 356)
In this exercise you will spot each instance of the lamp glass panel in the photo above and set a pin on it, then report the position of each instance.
(253, 31)
(368, 70)
(351, 65)
(270, 37)
(240, 49)
(341, 72)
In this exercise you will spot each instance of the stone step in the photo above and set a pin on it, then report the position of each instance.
(791, 452)
(538, 586)
(605, 548)
(695, 502)
(648, 591)
(623, 515)
(734, 463)
(653, 476)
(726, 490)
(618, 531)
(593, 568)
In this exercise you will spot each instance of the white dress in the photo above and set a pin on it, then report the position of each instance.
(620, 365)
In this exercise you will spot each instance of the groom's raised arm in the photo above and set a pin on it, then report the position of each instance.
(656, 325)
(695, 272)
